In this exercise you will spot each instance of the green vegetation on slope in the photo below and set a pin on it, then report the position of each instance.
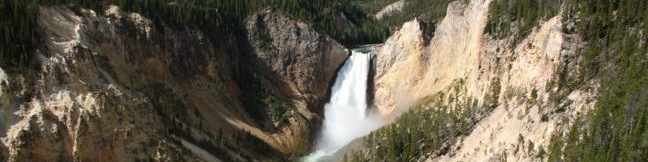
(428, 11)
(17, 29)
(218, 19)
(429, 128)
(519, 17)
(425, 130)
(615, 54)
(263, 105)
(20, 34)
(236, 146)
(373, 6)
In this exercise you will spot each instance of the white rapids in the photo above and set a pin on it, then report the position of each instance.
(345, 116)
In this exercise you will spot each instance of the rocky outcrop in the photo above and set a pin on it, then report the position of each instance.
(297, 63)
(390, 9)
(341, 21)
(512, 80)
(408, 69)
(117, 87)
(399, 63)
(526, 119)
(300, 61)
(89, 100)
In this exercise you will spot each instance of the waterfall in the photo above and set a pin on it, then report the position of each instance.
(345, 117)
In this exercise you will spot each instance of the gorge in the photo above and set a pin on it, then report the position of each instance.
(286, 80)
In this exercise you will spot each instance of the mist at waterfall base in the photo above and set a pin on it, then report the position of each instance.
(345, 116)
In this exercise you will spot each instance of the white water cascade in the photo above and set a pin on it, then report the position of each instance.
(345, 117)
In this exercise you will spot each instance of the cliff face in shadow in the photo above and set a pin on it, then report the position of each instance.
(115, 86)
(3, 152)
(295, 54)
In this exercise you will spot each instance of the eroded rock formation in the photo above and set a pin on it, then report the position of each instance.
(514, 79)
(116, 86)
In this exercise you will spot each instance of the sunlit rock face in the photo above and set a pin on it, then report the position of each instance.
(114, 86)
(408, 68)
(390, 9)
(399, 65)
(83, 106)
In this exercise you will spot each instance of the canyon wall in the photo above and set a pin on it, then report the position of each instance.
(512, 81)
(116, 86)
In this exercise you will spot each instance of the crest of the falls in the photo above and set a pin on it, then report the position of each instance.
(345, 117)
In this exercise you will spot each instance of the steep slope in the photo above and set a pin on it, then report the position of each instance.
(409, 68)
(115, 86)
(526, 119)
(287, 53)
(389, 9)
(297, 64)
(498, 93)
(78, 110)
